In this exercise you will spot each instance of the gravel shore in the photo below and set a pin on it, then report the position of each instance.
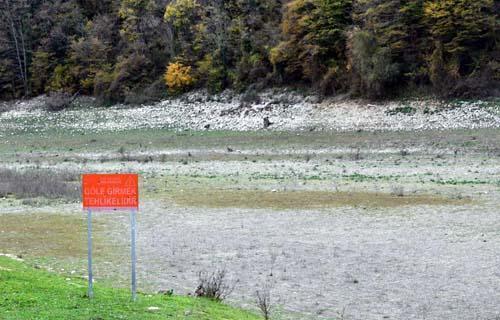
(284, 111)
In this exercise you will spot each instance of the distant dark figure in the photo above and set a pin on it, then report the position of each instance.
(267, 123)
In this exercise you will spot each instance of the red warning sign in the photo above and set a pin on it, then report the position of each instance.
(110, 191)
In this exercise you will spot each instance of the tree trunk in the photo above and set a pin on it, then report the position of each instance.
(25, 80)
(18, 53)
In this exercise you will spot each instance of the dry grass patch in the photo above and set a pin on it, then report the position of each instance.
(257, 199)
(32, 183)
(51, 235)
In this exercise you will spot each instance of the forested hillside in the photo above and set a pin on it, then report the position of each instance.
(134, 50)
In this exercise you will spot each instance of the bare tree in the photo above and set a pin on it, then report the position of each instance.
(14, 17)
(264, 302)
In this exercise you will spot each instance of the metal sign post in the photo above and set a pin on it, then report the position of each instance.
(132, 248)
(90, 292)
(111, 191)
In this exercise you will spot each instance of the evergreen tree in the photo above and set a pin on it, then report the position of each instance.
(464, 38)
(314, 44)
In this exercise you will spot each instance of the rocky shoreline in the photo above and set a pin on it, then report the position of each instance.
(280, 110)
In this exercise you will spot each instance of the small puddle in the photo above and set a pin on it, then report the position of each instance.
(223, 198)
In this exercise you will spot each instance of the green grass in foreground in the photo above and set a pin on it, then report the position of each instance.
(27, 293)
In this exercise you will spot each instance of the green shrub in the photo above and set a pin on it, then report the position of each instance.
(371, 65)
(62, 79)
(212, 73)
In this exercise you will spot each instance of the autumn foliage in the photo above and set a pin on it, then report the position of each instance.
(118, 50)
(178, 77)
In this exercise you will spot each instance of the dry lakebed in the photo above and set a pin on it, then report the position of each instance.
(336, 224)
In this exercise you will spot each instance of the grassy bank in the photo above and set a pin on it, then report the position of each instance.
(28, 293)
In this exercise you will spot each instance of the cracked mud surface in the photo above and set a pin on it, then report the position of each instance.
(365, 258)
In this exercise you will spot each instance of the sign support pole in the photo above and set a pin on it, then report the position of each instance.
(133, 256)
(89, 251)
(111, 191)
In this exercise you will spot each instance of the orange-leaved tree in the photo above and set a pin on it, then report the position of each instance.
(178, 77)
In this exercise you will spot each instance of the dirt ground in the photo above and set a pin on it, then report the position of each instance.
(339, 225)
